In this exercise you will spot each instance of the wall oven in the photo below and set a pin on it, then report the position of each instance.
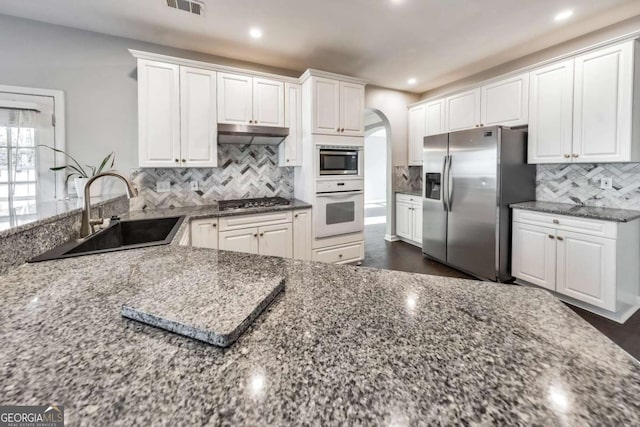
(339, 161)
(339, 208)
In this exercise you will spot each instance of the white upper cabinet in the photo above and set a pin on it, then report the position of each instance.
(602, 116)
(235, 98)
(463, 110)
(435, 118)
(177, 124)
(268, 102)
(551, 113)
(158, 114)
(198, 140)
(290, 150)
(248, 100)
(417, 133)
(337, 107)
(351, 109)
(506, 102)
(326, 106)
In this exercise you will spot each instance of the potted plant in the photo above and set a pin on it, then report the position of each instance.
(80, 174)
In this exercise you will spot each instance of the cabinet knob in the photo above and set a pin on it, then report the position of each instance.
(551, 236)
(295, 216)
(340, 256)
(184, 161)
(261, 234)
(338, 130)
(342, 130)
(250, 121)
(176, 160)
(574, 155)
(560, 238)
(555, 221)
(255, 235)
(287, 160)
(214, 225)
(481, 124)
(566, 156)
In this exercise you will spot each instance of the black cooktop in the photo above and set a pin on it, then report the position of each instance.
(225, 205)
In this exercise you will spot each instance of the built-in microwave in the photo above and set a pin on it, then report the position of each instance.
(339, 161)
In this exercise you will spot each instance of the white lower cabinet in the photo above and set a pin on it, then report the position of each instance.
(341, 254)
(587, 262)
(204, 233)
(284, 234)
(409, 218)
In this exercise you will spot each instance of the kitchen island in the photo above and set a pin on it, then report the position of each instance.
(340, 345)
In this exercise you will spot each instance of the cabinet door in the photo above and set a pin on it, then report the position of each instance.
(587, 269)
(417, 133)
(603, 105)
(404, 220)
(204, 233)
(243, 240)
(534, 255)
(268, 102)
(158, 114)
(551, 113)
(235, 98)
(416, 224)
(198, 118)
(351, 109)
(276, 240)
(506, 102)
(435, 120)
(290, 150)
(326, 106)
(302, 240)
(463, 110)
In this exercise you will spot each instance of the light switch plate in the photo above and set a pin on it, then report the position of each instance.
(163, 186)
(194, 185)
(606, 183)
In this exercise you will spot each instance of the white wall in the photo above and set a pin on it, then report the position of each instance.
(393, 104)
(375, 164)
(98, 76)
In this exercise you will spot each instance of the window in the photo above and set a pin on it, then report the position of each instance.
(25, 179)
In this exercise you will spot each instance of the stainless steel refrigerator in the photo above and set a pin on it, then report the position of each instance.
(470, 178)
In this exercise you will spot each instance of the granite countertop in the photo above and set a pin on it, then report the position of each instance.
(410, 193)
(46, 212)
(341, 345)
(605, 214)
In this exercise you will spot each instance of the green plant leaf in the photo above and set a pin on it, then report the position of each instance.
(104, 162)
(79, 167)
(58, 168)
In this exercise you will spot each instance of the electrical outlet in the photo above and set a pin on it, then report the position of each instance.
(194, 185)
(606, 183)
(163, 186)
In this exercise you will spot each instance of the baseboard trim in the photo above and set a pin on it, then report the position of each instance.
(391, 238)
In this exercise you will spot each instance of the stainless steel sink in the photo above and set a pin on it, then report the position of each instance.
(120, 235)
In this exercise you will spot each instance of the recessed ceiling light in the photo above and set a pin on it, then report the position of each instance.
(397, 1)
(412, 81)
(565, 14)
(256, 33)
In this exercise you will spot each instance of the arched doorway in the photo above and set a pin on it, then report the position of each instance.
(378, 168)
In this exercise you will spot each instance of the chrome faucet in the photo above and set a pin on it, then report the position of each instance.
(86, 227)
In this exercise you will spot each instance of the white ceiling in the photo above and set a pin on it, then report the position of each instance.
(382, 41)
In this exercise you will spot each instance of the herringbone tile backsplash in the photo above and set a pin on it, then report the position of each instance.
(244, 171)
(580, 184)
(407, 178)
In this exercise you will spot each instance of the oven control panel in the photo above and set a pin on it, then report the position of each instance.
(336, 185)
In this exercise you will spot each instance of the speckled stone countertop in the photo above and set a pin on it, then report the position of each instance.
(341, 345)
(605, 214)
(47, 212)
(410, 193)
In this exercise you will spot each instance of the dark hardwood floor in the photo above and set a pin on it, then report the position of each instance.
(405, 257)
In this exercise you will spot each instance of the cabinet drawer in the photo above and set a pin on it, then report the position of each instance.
(340, 254)
(588, 226)
(406, 198)
(258, 220)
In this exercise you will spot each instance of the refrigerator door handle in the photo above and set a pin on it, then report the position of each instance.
(443, 185)
(449, 184)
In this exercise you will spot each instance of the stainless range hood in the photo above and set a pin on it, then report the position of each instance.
(256, 135)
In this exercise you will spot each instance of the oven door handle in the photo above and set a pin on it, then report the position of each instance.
(340, 195)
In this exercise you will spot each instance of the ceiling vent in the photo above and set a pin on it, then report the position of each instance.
(193, 6)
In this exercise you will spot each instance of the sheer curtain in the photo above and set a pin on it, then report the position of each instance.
(18, 165)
